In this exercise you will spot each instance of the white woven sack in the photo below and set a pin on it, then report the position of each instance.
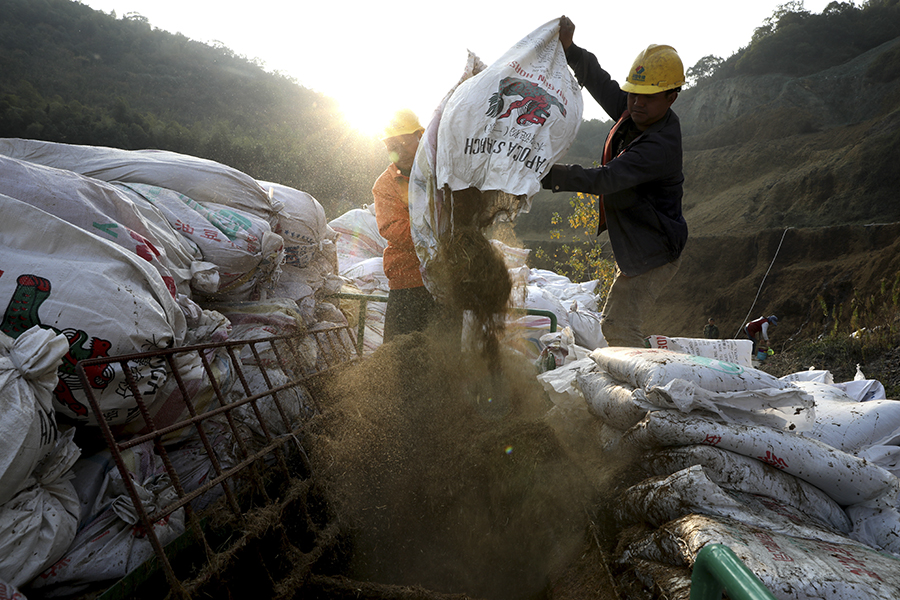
(560, 384)
(790, 409)
(611, 400)
(10, 592)
(505, 127)
(585, 325)
(39, 523)
(243, 246)
(791, 568)
(739, 352)
(112, 543)
(863, 390)
(659, 500)
(647, 367)
(309, 242)
(106, 301)
(820, 375)
(358, 238)
(198, 178)
(540, 299)
(846, 478)
(846, 424)
(749, 475)
(368, 275)
(429, 211)
(28, 429)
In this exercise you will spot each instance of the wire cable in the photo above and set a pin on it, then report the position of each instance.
(777, 250)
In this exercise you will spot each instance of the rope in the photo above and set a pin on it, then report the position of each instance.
(741, 328)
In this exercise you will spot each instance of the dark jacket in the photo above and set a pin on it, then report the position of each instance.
(641, 187)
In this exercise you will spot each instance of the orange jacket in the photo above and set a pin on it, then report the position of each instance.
(401, 265)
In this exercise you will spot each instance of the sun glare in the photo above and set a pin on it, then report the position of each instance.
(366, 118)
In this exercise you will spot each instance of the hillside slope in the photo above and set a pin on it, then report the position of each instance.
(779, 151)
(794, 177)
(791, 193)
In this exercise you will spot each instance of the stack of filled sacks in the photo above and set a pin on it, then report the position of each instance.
(121, 249)
(109, 252)
(359, 253)
(231, 237)
(309, 274)
(773, 468)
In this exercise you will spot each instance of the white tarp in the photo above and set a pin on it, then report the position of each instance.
(198, 178)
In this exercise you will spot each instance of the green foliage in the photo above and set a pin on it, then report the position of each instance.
(859, 331)
(795, 42)
(703, 69)
(583, 258)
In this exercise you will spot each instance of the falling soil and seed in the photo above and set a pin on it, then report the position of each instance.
(445, 461)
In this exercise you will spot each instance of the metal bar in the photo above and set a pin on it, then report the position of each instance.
(543, 313)
(335, 349)
(174, 583)
(365, 298)
(716, 569)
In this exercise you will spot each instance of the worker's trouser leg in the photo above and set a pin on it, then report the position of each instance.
(629, 301)
(407, 310)
(753, 339)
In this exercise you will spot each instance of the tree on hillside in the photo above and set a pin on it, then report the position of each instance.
(782, 11)
(703, 69)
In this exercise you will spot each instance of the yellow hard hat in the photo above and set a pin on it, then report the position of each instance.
(656, 69)
(403, 122)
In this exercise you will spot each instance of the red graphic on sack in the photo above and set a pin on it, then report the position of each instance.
(853, 564)
(22, 314)
(712, 440)
(535, 103)
(146, 250)
(771, 459)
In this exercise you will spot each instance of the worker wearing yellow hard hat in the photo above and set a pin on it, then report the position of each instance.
(403, 122)
(640, 180)
(409, 305)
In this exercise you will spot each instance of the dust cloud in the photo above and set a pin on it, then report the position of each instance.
(441, 460)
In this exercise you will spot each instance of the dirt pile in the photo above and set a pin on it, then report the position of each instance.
(444, 488)
(440, 459)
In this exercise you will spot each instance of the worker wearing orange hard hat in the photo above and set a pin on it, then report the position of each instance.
(409, 305)
(639, 181)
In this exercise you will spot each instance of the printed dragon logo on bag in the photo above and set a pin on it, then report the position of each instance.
(534, 104)
(22, 314)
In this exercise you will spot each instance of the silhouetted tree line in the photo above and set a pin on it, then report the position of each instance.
(796, 42)
(71, 74)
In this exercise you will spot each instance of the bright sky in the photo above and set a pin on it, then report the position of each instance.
(373, 58)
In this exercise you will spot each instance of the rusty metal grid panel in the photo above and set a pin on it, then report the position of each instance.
(286, 364)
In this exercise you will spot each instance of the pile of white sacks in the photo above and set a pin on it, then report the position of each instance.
(797, 475)
(108, 252)
(360, 247)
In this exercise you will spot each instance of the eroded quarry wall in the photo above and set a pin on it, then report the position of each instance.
(791, 269)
